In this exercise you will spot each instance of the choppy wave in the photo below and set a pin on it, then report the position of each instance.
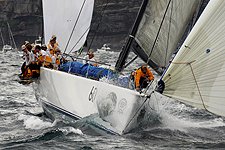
(166, 124)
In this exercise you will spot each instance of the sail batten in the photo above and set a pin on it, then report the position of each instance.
(205, 86)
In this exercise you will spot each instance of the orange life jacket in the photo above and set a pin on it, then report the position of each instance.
(52, 49)
(47, 58)
(96, 64)
(140, 74)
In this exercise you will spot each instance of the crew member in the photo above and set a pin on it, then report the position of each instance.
(43, 52)
(56, 58)
(26, 58)
(90, 57)
(52, 45)
(142, 76)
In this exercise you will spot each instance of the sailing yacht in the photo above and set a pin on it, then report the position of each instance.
(8, 47)
(77, 97)
(5, 47)
(105, 48)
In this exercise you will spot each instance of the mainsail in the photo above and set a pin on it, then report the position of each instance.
(161, 28)
(70, 25)
(197, 74)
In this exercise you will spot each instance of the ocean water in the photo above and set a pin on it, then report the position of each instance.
(167, 125)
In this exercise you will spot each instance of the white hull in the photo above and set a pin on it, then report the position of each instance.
(79, 97)
(104, 51)
(7, 48)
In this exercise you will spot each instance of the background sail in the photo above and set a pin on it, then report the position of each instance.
(177, 17)
(204, 48)
(60, 17)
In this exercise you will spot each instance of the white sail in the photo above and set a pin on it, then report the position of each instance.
(69, 20)
(161, 28)
(11, 37)
(202, 82)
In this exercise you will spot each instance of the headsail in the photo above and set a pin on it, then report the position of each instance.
(197, 73)
(161, 28)
(69, 20)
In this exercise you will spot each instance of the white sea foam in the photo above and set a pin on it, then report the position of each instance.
(35, 123)
(68, 130)
(175, 117)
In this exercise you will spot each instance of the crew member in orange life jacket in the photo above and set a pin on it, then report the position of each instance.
(56, 58)
(90, 56)
(142, 76)
(52, 45)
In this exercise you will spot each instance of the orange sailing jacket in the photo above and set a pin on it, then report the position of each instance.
(140, 74)
(52, 49)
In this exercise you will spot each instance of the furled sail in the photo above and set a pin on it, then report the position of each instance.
(197, 74)
(161, 29)
(69, 20)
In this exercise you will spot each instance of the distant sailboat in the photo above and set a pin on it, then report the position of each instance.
(8, 47)
(105, 48)
(3, 42)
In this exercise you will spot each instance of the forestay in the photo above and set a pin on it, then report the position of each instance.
(161, 28)
(201, 57)
(69, 20)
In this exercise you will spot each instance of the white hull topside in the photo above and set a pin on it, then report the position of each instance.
(80, 97)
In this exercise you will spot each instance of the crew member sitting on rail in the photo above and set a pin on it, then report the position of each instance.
(56, 58)
(26, 43)
(142, 76)
(46, 56)
(90, 57)
(37, 52)
(43, 52)
(26, 58)
(52, 45)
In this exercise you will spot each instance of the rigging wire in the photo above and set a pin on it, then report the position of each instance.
(103, 12)
(189, 63)
(79, 39)
(167, 45)
(158, 31)
(199, 91)
(138, 110)
(74, 26)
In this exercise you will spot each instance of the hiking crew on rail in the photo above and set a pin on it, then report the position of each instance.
(36, 56)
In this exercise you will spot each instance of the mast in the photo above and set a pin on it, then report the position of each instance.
(3, 42)
(10, 32)
(126, 49)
